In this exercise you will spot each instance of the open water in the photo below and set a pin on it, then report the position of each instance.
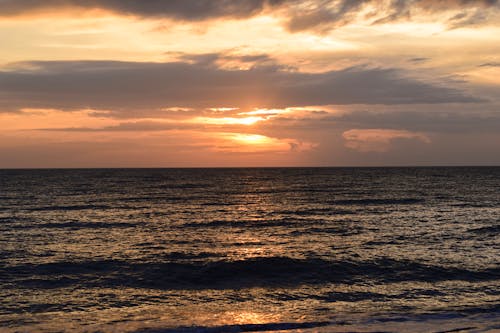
(240, 250)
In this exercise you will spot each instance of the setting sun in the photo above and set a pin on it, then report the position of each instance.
(253, 139)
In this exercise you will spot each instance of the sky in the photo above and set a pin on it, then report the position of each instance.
(249, 83)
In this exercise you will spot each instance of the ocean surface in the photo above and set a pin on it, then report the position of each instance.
(244, 250)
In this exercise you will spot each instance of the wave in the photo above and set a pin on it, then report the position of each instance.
(69, 207)
(474, 205)
(307, 226)
(344, 230)
(190, 256)
(318, 211)
(432, 323)
(240, 328)
(75, 225)
(251, 223)
(494, 230)
(161, 198)
(184, 186)
(254, 272)
(240, 224)
(10, 219)
(388, 201)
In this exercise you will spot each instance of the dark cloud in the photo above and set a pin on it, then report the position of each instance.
(299, 15)
(423, 121)
(321, 14)
(418, 60)
(449, 120)
(325, 15)
(136, 126)
(135, 87)
(254, 61)
(195, 10)
(172, 113)
(490, 64)
(474, 17)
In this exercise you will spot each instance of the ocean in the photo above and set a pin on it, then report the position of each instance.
(244, 250)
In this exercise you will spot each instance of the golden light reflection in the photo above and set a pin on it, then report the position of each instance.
(250, 317)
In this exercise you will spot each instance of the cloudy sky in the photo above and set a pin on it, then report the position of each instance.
(204, 83)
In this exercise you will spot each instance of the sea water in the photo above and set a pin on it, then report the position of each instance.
(232, 250)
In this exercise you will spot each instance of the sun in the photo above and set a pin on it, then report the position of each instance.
(253, 139)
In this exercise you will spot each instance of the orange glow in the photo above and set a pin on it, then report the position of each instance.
(248, 317)
(267, 75)
(378, 140)
(268, 112)
(241, 142)
(253, 139)
(33, 119)
(229, 120)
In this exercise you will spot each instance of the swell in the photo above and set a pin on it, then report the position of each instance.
(261, 271)
(241, 223)
(474, 205)
(372, 201)
(268, 327)
(493, 230)
(318, 211)
(75, 225)
(265, 223)
(68, 207)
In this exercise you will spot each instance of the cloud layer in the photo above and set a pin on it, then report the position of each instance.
(248, 82)
(193, 10)
(143, 86)
(298, 15)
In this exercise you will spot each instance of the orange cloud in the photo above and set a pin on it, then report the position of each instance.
(378, 140)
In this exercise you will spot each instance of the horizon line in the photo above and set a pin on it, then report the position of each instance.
(257, 167)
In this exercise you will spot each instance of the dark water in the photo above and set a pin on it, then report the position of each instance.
(215, 250)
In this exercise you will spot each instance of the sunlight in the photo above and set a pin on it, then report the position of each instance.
(229, 120)
(254, 139)
(264, 112)
(250, 317)
(245, 142)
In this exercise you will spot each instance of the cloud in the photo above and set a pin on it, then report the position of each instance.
(432, 120)
(490, 64)
(135, 87)
(297, 15)
(136, 126)
(230, 60)
(418, 60)
(324, 15)
(317, 14)
(378, 140)
(190, 10)
(449, 120)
